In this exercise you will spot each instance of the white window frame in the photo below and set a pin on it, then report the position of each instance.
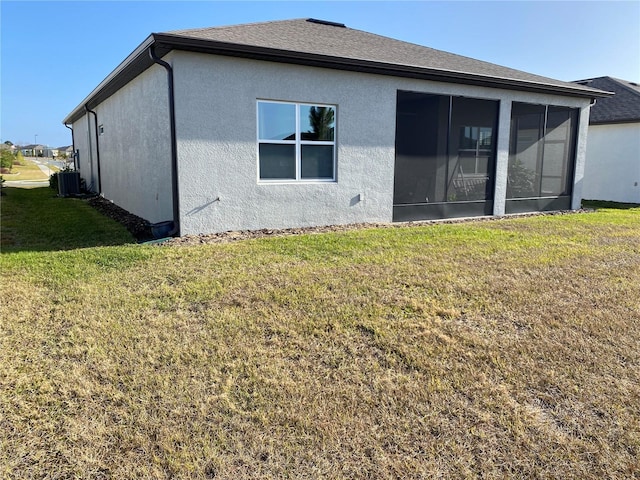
(298, 142)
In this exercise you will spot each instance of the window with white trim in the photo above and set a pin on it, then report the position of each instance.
(296, 142)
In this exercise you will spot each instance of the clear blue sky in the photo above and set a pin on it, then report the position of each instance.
(54, 53)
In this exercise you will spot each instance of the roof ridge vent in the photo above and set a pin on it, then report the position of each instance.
(326, 22)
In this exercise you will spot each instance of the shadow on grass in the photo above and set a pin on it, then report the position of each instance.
(606, 204)
(38, 220)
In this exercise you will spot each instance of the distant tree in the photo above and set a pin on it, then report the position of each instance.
(6, 160)
(8, 142)
(19, 158)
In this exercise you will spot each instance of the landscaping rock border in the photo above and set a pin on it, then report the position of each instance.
(232, 236)
(138, 227)
(141, 228)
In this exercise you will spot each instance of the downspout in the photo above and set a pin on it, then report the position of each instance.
(95, 121)
(73, 146)
(174, 147)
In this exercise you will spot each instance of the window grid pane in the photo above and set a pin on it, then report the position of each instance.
(276, 121)
(277, 161)
(317, 123)
(316, 161)
(305, 154)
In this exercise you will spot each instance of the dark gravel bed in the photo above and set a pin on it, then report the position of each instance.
(250, 234)
(141, 230)
(138, 227)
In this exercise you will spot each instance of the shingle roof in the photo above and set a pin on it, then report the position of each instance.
(328, 45)
(335, 40)
(623, 107)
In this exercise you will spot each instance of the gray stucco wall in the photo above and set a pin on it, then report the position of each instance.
(217, 145)
(84, 141)
(135, 147)
(612, 170)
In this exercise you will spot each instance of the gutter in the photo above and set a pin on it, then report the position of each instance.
(73, 146)
(175, 231)
(95, 121)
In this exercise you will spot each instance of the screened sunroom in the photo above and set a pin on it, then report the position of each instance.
(446, 149)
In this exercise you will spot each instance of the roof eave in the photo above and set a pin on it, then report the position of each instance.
(167, 42)
(139, 60)
(614, 121)
(132, 66)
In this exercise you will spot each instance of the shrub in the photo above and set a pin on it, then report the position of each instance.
(6, 160)
(20, 158)
(53, 181)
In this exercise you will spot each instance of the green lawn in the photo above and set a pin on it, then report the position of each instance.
(495, 349)
(36, 220)
(28, 171)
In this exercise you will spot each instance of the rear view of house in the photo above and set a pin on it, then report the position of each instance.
(306, 122)
(612, 170)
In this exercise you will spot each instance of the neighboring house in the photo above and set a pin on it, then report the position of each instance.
(66, 151)
(305, 122)
(612, 170)
(33, 150)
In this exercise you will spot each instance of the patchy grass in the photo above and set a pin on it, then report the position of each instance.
(485, 349)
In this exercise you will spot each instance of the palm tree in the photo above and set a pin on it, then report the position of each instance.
(321, 120)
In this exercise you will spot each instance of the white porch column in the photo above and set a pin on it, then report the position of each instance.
(581, 156)
(502, 158)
